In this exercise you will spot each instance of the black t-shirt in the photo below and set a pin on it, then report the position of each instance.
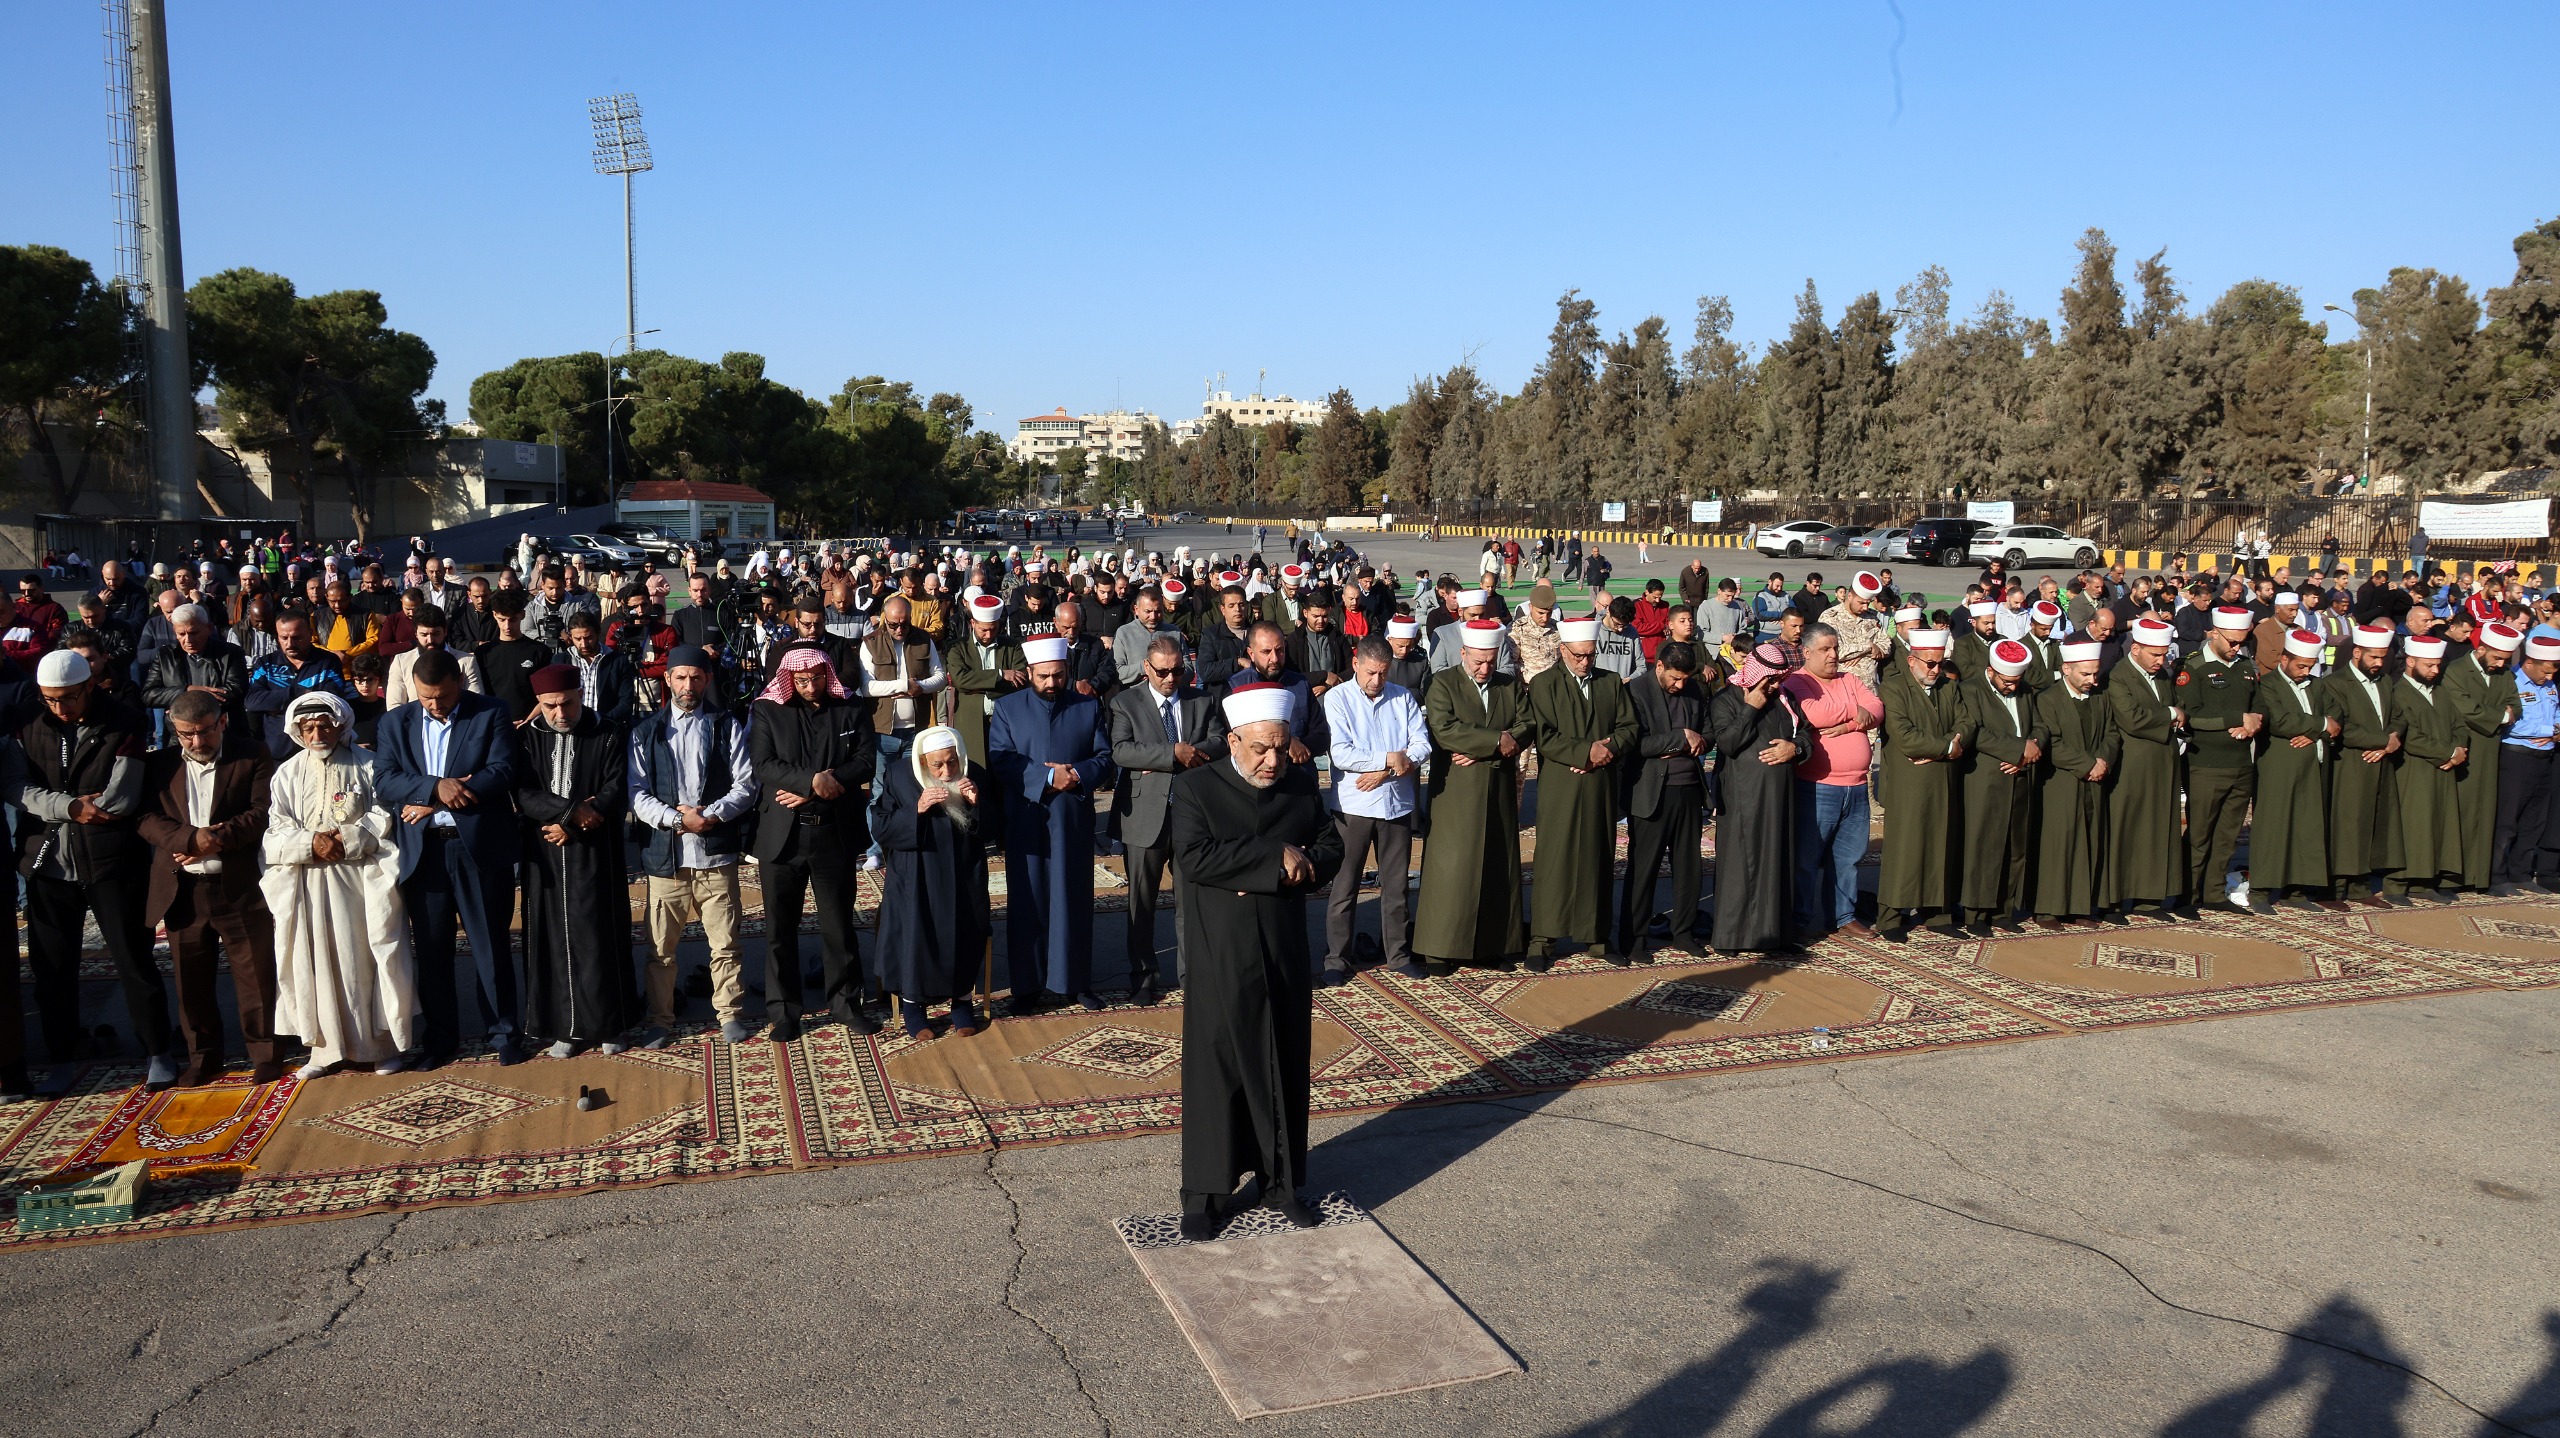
(506, 671)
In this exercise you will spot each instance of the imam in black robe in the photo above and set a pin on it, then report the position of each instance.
(1756, 833)
(933, 902)
(580, 983)
(1248, 981)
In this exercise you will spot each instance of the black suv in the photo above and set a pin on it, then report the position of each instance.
(1943, 541)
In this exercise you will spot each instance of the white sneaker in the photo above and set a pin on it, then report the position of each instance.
(870, 861)
(609, 1047)
(563, 1049)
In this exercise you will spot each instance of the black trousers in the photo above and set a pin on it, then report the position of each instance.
(818, 862)
(1147, 864)
(449, 891)
(1394, 840)
(1675, 826)
(13, 1011)
(54, 911)
(2525, 843)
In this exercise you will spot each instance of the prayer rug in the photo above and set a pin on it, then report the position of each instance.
(1287, 1319)
(1587, 1021)
(218, 1128)
(2152, 971)
(2513, 943)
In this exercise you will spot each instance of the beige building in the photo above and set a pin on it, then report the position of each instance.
(1257, 410)
(1120, 434)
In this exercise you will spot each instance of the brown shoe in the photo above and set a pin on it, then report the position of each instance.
(267, 1072)
(199, 1071)
(1856, 930)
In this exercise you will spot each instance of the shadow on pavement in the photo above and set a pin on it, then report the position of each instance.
(1909, 1397)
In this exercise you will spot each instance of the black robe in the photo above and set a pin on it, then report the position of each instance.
(1756, 833)
(934, 923)
(1248, 981)
(580, 982)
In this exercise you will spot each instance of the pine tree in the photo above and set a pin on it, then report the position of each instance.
(1338, 471)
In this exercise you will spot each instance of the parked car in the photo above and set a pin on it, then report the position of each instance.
(2023, 544)
(660, 546)
(1834, 542)
(611, 548)
(1793, 539)
(1183, 516)
(1876, 543)
(1941, 541)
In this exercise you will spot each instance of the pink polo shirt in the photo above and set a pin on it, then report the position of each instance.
(1835, 758)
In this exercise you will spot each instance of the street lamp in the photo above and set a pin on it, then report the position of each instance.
(2367, 337)
(630, 345)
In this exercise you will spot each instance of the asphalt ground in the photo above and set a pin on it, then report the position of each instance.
(2325, 1222)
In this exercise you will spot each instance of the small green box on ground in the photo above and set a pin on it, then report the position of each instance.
(110, 1197)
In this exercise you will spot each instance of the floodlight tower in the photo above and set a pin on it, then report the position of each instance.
(622, 148)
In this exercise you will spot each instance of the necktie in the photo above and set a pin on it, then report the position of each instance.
(1172, 730)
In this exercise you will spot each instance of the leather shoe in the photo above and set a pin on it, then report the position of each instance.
(15, 1086)
(785, 1029)
(1200, 1227)
(199, 1072)
(1613, 959)
(268, 1072)
(1538, 965)
(1020, 1006)
(1146, 995)
(510, 1052)
(1090, 1001)
(862, 1021)
(1334, 978)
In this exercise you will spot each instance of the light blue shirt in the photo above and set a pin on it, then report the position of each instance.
(436, 743)
(2537, 716)
(1365, 732)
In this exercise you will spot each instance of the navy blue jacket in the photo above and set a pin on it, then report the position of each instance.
(482, 754)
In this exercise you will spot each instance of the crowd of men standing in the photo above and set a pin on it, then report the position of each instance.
(444, 762)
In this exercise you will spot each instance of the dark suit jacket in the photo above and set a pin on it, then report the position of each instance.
(482, 753)
(1144, 796)
(239, 822)
(1656, 740)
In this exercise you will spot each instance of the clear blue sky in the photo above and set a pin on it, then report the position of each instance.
(1043, 205)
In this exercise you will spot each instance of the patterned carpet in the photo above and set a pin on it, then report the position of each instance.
(474, 1132)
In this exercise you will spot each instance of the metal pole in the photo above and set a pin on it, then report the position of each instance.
(630, 285)
(172, 416)
(2368, 408)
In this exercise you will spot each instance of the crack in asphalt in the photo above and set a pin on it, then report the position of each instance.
(355, 1276)
(2488, 1420)
(1013, 1278)
(2100, 1225)
(644, 1221)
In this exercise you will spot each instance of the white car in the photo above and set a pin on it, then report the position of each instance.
(2020, 545)
(1793, 539)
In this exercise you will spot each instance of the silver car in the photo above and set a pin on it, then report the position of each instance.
(1834, 542)
(1875, 544)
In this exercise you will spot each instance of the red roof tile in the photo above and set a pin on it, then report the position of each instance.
(663, 490)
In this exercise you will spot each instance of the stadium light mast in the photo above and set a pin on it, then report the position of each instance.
(622, 148)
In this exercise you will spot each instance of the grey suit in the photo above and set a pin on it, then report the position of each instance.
(1129, 647)
(1143, 801)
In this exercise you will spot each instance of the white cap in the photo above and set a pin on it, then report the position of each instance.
(986, 609)
(1866, 583)
(2154, 633)
(2373, 636)
(2498, 634)
(1909, 614)
(1174, 588)
(2423, 646)
(61, 669)
(1584, 629)
(1468, 599)
(1228, 577)
(1404, 629)
(1048, 650)
(1480, 634)
(2082, 651)
(2235, 618)
(2285, 597)
(2302, 644)
(1926, 639)
(2010, 657)
(2542, 646)
(1981, 607)
(1293, 572)
(2045, 611)
(1258, 704)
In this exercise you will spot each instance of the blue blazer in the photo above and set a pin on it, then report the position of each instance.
(483, 755)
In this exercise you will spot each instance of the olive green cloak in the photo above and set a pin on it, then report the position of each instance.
(1917, 786)
(2488, 704)
(1468, 910)
(1999, 807)
(2430, 813)
(2289, 826)
(2364, 800)
(2146, 854)
(1577, 813)
(2071, 843)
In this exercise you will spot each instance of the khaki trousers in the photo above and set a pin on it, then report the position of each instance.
(709, 896)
